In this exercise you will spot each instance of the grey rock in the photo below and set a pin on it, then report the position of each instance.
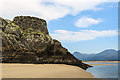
(27, 40)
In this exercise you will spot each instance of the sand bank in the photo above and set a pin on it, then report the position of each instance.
(43, 71)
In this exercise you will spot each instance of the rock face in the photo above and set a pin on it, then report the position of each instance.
(26, 40)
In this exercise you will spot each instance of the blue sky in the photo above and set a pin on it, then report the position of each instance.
(109, 15)
(86, 27)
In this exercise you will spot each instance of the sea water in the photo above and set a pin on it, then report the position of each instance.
(104, 71)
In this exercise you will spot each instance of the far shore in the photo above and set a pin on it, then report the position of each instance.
(102, 61)
(96, 62)
(11, 70)
(101, 64)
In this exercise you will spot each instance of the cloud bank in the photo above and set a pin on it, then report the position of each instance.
(71, 36)
(47, 9)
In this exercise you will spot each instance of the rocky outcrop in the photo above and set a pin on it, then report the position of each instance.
(26, 40)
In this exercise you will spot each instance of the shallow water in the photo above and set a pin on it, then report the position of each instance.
(104, 71)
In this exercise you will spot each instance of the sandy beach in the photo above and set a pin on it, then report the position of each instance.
(43, 71)
(48, 70)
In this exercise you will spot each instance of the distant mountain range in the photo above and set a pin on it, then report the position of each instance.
(106, 55)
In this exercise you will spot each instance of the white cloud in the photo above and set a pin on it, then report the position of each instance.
(71, 36)
(85, 22)
(47, 9)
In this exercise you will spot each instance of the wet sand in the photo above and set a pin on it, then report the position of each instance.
(43, 71)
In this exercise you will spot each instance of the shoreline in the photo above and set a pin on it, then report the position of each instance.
(43, 71)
